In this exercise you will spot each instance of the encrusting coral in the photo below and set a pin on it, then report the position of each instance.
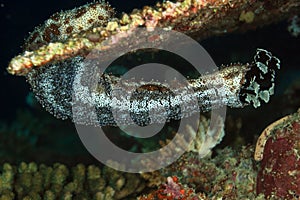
(279, 175)
(173, 190)
(230, 174)
(196, 18)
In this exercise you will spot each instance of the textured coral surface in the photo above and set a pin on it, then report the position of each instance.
(198, 19)
(279, 176)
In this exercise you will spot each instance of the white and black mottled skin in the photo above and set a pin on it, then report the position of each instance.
(259, 84)
(236, 86)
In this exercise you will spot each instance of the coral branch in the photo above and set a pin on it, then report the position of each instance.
(197, 18)
(32, 181)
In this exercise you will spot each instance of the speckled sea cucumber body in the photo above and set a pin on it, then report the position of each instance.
(62, 88)
(61, 25)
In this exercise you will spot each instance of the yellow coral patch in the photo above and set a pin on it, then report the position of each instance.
(247, 17)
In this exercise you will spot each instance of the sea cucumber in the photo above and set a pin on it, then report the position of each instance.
(236, 85)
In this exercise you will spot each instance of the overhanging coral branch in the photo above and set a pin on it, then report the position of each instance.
(197, 18)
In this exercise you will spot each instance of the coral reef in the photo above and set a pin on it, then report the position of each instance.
(173, 190)
(198, 18)
(230, 174)
(32, 181)
(206, 137)
(62, 25)
(198, 174)
(279, 174)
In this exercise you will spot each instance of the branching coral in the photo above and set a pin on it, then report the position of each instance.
(32, 181)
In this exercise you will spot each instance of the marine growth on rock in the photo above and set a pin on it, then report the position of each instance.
(279, 174)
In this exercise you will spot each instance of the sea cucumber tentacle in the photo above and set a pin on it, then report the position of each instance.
(259, 80)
